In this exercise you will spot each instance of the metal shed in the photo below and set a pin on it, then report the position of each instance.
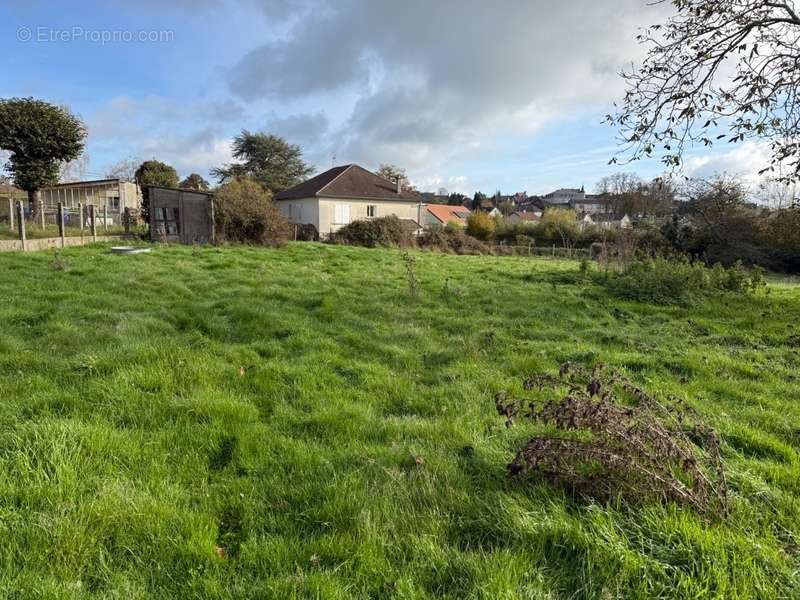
(182, 216)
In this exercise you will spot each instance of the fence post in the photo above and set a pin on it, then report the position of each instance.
(41, 213)
(93, 222)
(126, 221)
(11, 213)
(80, 215)
(105, 217)
(60, 221)
(21, 224)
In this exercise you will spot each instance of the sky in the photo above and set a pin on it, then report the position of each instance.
(465, 95)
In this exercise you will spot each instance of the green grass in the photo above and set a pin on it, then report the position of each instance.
(132, 447)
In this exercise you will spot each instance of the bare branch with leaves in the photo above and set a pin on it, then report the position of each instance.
(717, 71)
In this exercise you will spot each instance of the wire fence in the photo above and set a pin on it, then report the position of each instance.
(77, 224)
(540, 251)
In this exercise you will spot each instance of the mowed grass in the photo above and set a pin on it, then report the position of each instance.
(290, 423)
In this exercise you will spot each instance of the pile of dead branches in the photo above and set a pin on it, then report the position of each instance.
(614, 440)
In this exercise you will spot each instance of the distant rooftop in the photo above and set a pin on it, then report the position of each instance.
(348, 181)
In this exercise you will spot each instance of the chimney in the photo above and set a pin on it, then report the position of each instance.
(399, 185)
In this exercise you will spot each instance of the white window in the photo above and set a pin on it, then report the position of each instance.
(371, 210)
(341, 214)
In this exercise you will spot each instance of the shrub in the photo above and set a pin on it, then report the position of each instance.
(306, 232)
(244, 212)
(453, 227)
(614, 440)
(457, 242)
(481, 226)
(679, 281)
(384, 231)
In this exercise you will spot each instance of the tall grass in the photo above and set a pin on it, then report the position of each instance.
(243, 422)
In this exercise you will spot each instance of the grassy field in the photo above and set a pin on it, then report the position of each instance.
(253, 423)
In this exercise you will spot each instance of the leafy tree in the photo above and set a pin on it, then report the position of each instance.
(124, 169)
(456, 199)
(272, 161)
(194, 182)
(393, 173)
(477, 200)
(560, 222)
(245, 212)
(480, 225)
(506, 207)
(154, 172)
(716, 66)
(39, 137)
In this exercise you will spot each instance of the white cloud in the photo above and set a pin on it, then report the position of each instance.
(744, 160)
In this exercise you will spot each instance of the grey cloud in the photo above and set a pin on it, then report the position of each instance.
(440, 75)
(304, 129)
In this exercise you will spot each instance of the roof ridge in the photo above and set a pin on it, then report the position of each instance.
(342, 172)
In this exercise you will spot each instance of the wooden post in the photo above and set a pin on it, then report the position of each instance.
(21, 224)
(61, 228)
(80, 215)
(11, 213)
(105, 217)
(93, 222)
(126, 221)
(213, 221)
(41, 213)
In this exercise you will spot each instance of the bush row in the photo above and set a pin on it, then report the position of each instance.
(680, 280)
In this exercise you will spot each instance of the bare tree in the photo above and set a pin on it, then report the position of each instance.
(74, 170)
(778, 195)
(717, 71)
(124, 169)
(618, 184)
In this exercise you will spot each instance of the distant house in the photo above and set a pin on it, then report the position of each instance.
(608, 221)
(590, 205)
(522, 216)
(442, 214)
(431, 198)
(347, 193)
(564, 196)
(115, 195)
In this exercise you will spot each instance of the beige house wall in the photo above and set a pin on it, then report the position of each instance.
(301, 212)
(321, 212)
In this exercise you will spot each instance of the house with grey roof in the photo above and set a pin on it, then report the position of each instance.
(348, 193)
